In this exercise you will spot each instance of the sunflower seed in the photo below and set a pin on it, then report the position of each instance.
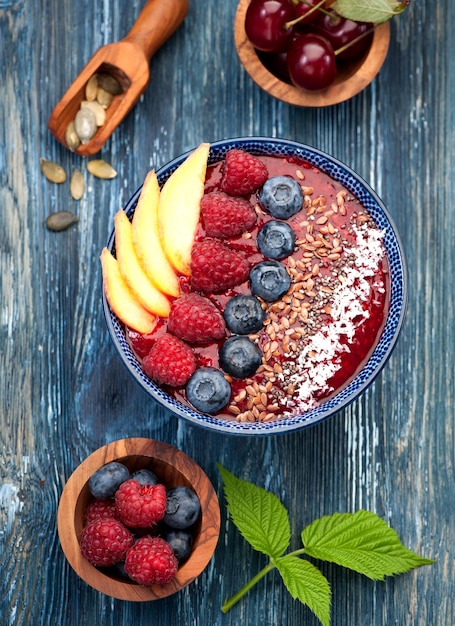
(77, 185)
(52, 171)
(61, 220)
(101, 169)
(85, 125)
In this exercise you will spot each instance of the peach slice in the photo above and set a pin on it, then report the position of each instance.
(137, 280)
(179, 208)
(146, 239)
(121, 299)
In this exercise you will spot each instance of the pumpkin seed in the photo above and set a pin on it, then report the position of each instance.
(85, 124)
(52, 171)
(104, 97)
(110, 83)
(91, 88)
(77, 185)
(61, 220)
(98, 110)
(71, 137)
(101, 169)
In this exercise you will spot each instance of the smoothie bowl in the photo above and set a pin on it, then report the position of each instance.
(279, 286)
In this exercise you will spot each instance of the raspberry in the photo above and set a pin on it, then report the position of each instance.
(226, 216)
(151, 561)
(105, 542)
(196, 319)
(140, 506)
(170, 361)
(243, 173)
(215, 267)
(100, 509)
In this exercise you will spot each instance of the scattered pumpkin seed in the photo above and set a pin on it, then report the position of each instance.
(85, 124)
(104, 97)
(52, 171)
(110, 83)
(77, 185)
(101, 169)
(91, 88)
(98, 110)
(71, 137)
(61, 220)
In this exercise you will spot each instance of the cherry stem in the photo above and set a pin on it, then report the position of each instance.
(354, 41)
(316, 7)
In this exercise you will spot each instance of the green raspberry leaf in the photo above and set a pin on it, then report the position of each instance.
(361, 541)
(258, 514)
(375, 11)
(306, 583)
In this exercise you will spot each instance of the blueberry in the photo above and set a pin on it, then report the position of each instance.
(117, 570)
(182, 507)
(244, 315)
(240, 357)
(104, 482)
(276, 240)
(181, 542)
(281, 196)
(145, 477)
(208, 390)
(269, 280)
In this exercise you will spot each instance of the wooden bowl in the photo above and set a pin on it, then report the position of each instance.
(173, 468)
(351, 80)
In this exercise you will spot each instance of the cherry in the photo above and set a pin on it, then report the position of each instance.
(311, 62)
(341, 32)
(304, 11)
(265, 24)
(276, 63)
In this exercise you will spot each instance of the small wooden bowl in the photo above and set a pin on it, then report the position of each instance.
(351, 80)
(173, 468)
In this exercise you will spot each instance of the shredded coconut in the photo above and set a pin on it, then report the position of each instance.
(317, 361)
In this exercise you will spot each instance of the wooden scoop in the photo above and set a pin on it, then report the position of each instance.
(128, 61)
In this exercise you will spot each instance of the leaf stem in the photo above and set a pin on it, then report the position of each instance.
(264, 571)
(297, 20)
(239, 595)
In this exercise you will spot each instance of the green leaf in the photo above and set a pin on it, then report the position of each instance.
(306, 583)
(375, 11)
(258, 514)
(361, 541)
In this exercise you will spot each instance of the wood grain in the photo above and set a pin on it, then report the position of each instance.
(64, 393)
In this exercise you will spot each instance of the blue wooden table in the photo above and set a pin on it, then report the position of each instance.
(64, 392)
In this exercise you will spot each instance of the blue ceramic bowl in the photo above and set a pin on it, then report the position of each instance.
(398, 297)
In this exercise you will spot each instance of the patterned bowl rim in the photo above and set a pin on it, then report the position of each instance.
(398, 297)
